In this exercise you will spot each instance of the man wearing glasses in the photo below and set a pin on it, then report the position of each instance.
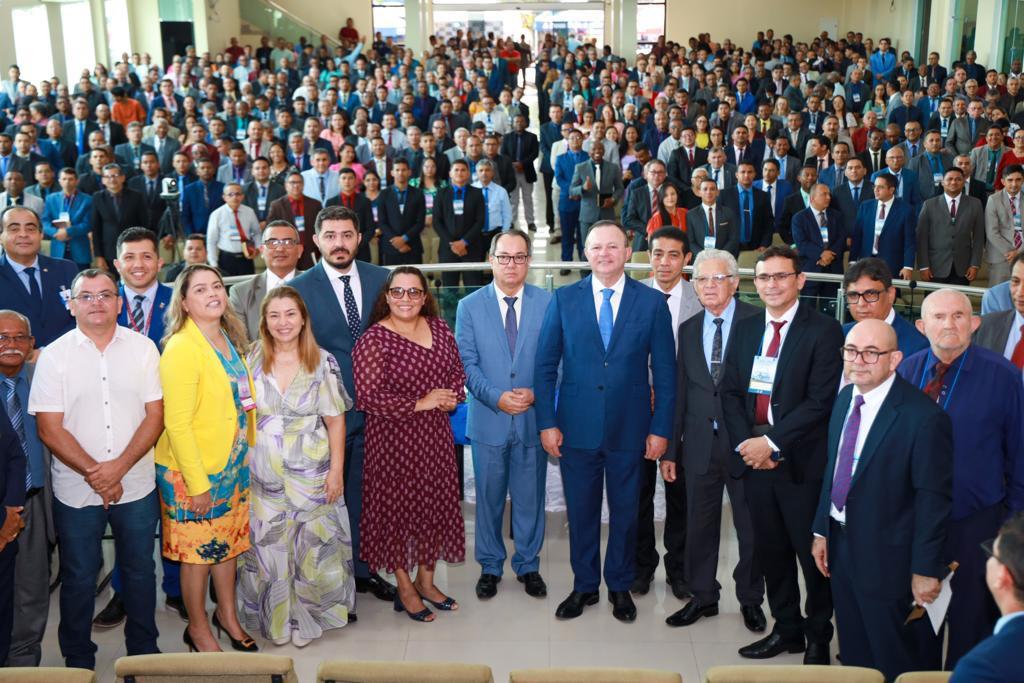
(281, 250)
(870, 295)
(884, 507)
(782, 374)
(233, 234)
(983, 395)
(114, 210)
(997, 659)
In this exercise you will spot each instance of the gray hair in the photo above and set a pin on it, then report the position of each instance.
(717, 255)
(485, 163)
(8, 313)
(928, 301)
(654, 162)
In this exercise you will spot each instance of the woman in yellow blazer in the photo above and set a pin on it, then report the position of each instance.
(202, 473)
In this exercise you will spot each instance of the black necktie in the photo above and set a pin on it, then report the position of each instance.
(716, 351)
(33, 287)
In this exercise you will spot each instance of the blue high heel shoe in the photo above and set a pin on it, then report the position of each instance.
(423, 615)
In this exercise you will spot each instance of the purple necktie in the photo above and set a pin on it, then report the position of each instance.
(844, 471)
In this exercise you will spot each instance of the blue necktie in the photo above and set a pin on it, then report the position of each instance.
(33, 287)
(605, 321)
(745, 209)
(511, 329)
(17, 418)
(80, 137)
(487, 212)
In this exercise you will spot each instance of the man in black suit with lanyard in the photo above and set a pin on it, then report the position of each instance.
(459, 222)
(782, 374)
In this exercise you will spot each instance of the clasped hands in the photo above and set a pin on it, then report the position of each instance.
(757, 453)
(438, 399)
(105, 479)
(516, 401)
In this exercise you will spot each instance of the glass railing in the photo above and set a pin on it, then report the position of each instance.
(265, 17)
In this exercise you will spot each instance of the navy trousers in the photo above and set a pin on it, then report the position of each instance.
(354, 496)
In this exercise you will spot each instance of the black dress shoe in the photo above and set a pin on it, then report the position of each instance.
(623, 608)
(534, 583)
(487, 586)
(772, 645)
(679, 587)
(555, 239)
(381, 589)
(753, 618)
(817, 653)
(691, 613)
(176, 604)
(112, 615)
(573, 605)
(531, 227)
(641, 585)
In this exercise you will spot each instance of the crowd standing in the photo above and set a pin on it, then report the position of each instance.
(289, 436)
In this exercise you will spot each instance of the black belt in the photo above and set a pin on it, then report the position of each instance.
(837, 525)
(32, 492)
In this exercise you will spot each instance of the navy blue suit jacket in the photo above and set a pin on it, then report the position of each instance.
(329, 325)
(910, 191)
(897, 245)
(51, 320)
(993, 659)
(12, 465)
(782, 191)
(807, 237)
(156, 325)
(195, 214)
(908, 340)
(604, 398)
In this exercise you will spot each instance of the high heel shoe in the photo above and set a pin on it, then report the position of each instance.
(187, 637)
(246, 644)
(446, 605)
(423, 615)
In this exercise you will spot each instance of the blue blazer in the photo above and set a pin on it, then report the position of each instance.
(992, 660)
(491, 369)
(908, 183)
(782, 190)
(897, 245)
(329, 325)
(908, 340)
(195, 214)
(604, 398)
(12, 465)
(76, 249)
(52, 319)
(807, 237)
(565, 167)
(160, 306)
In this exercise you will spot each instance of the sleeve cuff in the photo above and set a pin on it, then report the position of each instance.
(772, 444)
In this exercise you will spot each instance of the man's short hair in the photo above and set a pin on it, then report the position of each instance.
(1011, 552)
(780, 251)
(670, 232)
(90, 274)
(872, 268)
(136, 234)
(513, 232)
(335, 213)
(196, 237)
(609, 223)
(1013, 168)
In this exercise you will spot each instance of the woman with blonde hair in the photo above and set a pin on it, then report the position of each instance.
(297, 581)
(201, 466)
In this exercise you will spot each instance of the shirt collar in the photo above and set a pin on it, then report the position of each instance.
(275, 281)
(887, 204)
(787, 316)
(877, 395)
(333, 273)
(81, 339)
(149, 294)
(19, 269)
(501, 295)
(1004, 620)
(889, 319)
(618, 287)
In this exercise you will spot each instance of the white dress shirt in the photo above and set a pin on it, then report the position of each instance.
(617, 288)
(334, 275)
(517, 307)
(275, 281)
(674, 301)
(222, 232)
(1011, 341)
(149, 298)
(103, 397)
(766, 340)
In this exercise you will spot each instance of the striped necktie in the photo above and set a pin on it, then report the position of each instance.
(17, 418)
(138, 316)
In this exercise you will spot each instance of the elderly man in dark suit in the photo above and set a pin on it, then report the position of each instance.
(951, 234)
(701, 447)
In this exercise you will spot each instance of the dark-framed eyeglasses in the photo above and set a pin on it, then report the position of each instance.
(414, 293)
(518, 259)
(870, 296)
(15, 339)
(989, 548)
(764, 278)
(869, 356)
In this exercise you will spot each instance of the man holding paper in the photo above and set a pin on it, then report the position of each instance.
(67, 221)
(880, 528)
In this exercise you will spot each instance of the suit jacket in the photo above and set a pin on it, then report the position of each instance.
(842, 201)
(921, 165)
(641, 346)
(70, 134)
(995, 330)
(902, 491)
(195, 211)
(999, 226)
(944, 245)
(636, 208)
(679, 167)
(330, 326)
(469, 226)
(29, 200)
(762, 222)
(155, 206)
(441, 160)
(698, 398)
(807, 237)
(908, 340)
(125, 156)
(897, 244)
(906, 187)
(979, 162)
(869, 162)
(165, 153)
(611, 185)
(77, 248)
(252, 199)
(530, 150)
(107, 224)
(727, 229)
(728, 172)
(247, 298)
(13, 466)
(754, 153)
(155, 330)
(959, 140)
(992, 660)
(793, 205)
(393, 221)
(492, 369)
(281, 210)
(58, 152)
(226, 174)
(783, 190)
(806, 380)
(689, 304)
(51, 318)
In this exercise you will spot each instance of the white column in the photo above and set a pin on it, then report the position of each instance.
(99, 32)
(419, 25)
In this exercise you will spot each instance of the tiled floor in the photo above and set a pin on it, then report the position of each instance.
(511, 631)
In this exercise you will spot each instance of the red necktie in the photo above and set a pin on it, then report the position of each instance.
(762, 401)
(689, 153)
(952, 209)
(934, 386)
(654, 202)
(1018, 351)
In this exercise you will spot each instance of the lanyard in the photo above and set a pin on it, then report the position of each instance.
(149, 319)
(924, 373)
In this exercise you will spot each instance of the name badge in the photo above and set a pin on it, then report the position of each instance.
(401, 209)
(762, 376)
(374, 210)
(937, 179)
(239, 133)
(300, 223)
(244, 395)
(261, 203)
(458, 205)
(428, 199)
(65, 295)
(65, 217)
(709, 242)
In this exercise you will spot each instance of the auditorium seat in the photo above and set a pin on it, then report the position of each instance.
(46, 674)
(792, 674)
(402, 672)
(924, 677)
(593, 675)
(206, 667)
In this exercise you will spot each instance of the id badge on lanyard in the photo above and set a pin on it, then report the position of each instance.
(459, 206)
(300, 223)
(762, 376)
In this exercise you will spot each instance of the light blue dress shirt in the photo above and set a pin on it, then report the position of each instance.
(499, 207)
(709, 330)
(20, 270)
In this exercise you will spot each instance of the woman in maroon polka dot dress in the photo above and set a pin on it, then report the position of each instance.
(408, 376)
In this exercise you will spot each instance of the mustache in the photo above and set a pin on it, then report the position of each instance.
(13, 352)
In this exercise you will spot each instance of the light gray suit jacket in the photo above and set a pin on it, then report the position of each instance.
(979, 162)
(246, 298)
(611, 184)
(999, 226)
(689, 304)
(925, 176)
(995, 330)
(944, 245)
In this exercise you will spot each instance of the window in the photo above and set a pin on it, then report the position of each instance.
(32, 42)
(118, 38)
(389, 19)
(650, 23)
(79, 46)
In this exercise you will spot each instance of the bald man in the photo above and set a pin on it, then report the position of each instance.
(983, 394)
(891, 465)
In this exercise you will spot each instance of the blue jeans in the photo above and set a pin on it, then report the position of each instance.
(81, 534)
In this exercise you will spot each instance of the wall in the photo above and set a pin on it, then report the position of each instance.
(685, 18)
(312, 12)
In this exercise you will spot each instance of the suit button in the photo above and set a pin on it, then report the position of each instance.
(600, 387)
(606, 364)
(513, 374)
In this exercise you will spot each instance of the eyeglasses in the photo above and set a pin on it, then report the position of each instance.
(870, 356)
(988, 547)
(414, 293)
(15, 339)
(518, 259)
(764, 278)
(720, 279)
(276, 243)
(870, 296)
(102, 297)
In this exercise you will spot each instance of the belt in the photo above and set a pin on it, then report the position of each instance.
(837, 525)
(32, 492)
(761, 430)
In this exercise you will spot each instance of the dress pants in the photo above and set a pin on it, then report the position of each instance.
(783, 513)
(704, 529)
(524, 189)
(871, 630)
(583, 477)
(354, 496)
(571, 234)
(473, 278)
(234, 264)
(31, 585)
(8, 558)
(972, 611)
(520, 472)
(81, 535)
(549, 204)
(675, 525)
(390, 256)
(952, 279)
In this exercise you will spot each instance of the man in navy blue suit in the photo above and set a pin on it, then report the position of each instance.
(997, 658)
(612, 338)
(906, 180)
(819, 234)
(870, 294)
(201, 198)
(339, 293)
(34, 285)
(12, 486)
(886, 227)
(880, 526)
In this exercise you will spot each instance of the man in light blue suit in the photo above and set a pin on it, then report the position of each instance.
(497, 329)
(613, 410)
(67, 221)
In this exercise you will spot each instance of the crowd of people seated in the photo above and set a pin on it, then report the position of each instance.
(288, 438)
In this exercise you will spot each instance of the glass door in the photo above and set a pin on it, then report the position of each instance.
(1013, 46)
